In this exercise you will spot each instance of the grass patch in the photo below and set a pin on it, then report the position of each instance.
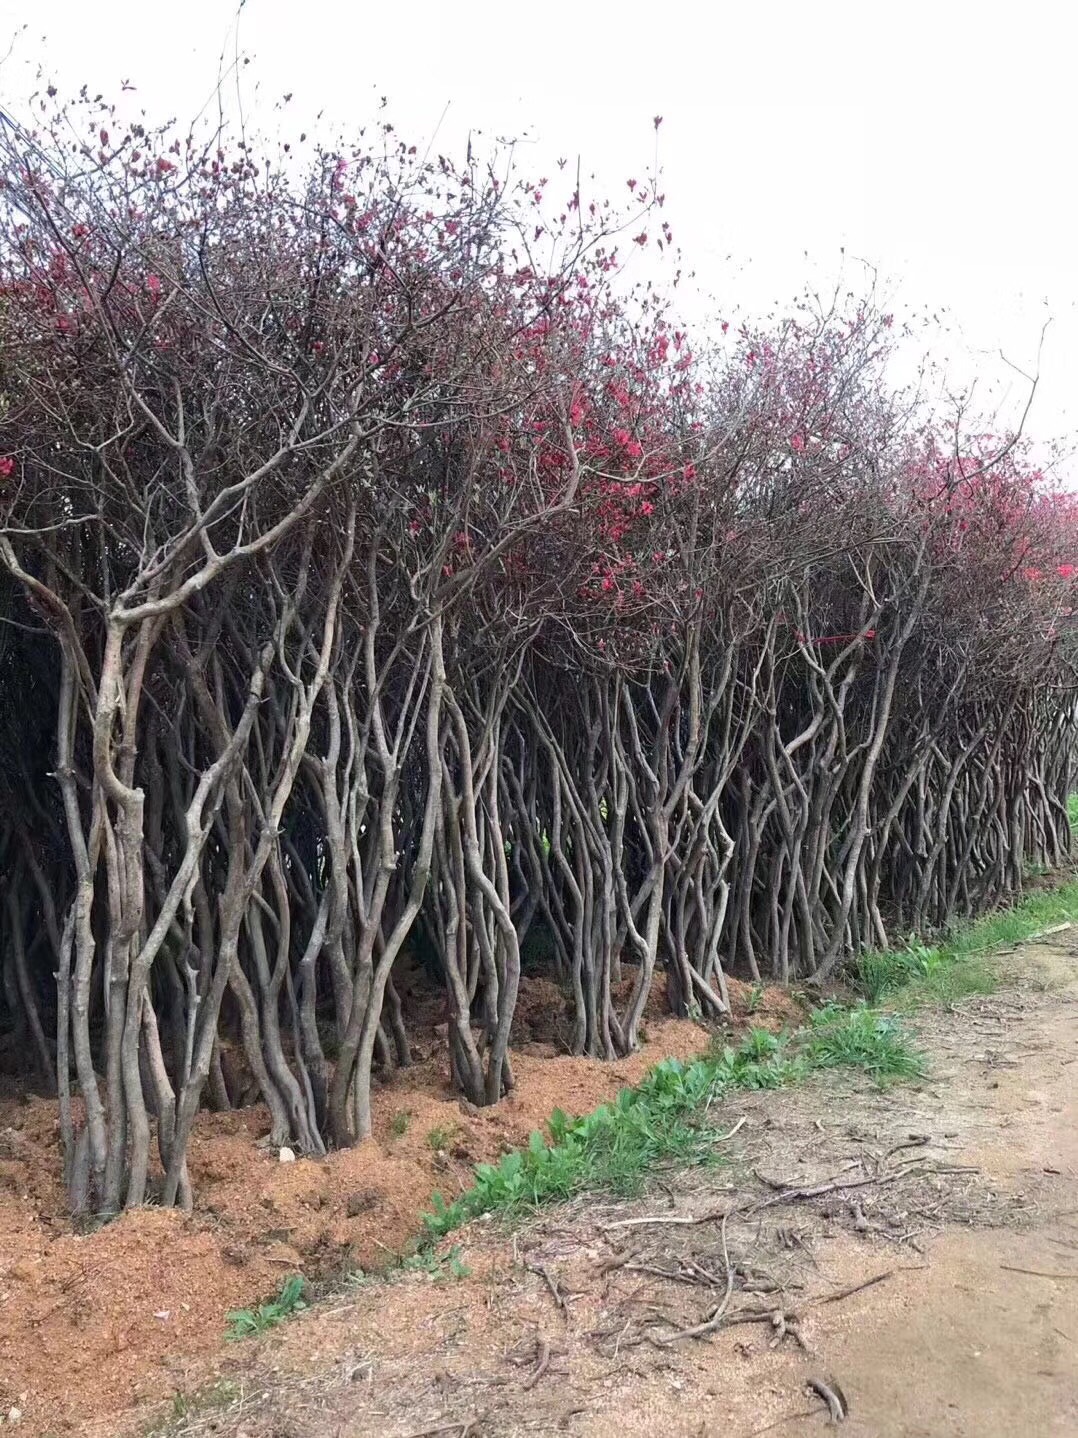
(861, 1038)
(960, 964)
(664, 1119)
(425, 1261)
(439, 1139)
(247, 1322)
(188, 1406)
(917, 975)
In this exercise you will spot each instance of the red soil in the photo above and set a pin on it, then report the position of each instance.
(93, 1323)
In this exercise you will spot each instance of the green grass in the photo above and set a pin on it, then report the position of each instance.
(439, 1139)
(862, 1038)
(246, 1322)
(960, 965)
(187, 1406)
(664, 1119)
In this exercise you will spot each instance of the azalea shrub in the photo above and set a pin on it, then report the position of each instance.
(384, 575)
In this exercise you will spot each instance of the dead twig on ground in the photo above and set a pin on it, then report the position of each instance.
(542, 1363)
(853, 1288)
(1036, 1272)
(817, 1190)
(714, 1321)
(915, 1140)
(833, 1396)
(681, 1220)
(560, 1298)
(459, 1428)
(787, 1325)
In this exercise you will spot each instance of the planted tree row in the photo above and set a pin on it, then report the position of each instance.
(378, 574)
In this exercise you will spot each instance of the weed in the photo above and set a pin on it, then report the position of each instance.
(246, 1322)
(756, 993)
(439, 1139)
(958, 966)
(438, 1267)
(861, 1038)
(664, 1118)
(186, 1406)
(399, 1125)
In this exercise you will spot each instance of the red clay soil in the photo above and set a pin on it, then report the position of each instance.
(94, 1323)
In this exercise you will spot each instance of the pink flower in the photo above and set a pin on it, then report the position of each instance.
(1031, 574)
(797, 443)
(576, 413)
(7, 466)
(1066, 571)
(153, 284)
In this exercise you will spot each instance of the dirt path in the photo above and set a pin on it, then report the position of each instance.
(961, 1190)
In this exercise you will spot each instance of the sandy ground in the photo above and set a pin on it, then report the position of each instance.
(956, 1196)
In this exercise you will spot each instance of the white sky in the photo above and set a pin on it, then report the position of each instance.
(937, 141)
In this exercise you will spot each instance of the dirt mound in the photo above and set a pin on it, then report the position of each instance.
(93, 1323)
(764, 1007)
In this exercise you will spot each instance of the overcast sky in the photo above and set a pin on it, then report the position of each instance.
(936, 141)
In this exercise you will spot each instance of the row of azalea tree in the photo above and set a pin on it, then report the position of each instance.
(381, 574)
